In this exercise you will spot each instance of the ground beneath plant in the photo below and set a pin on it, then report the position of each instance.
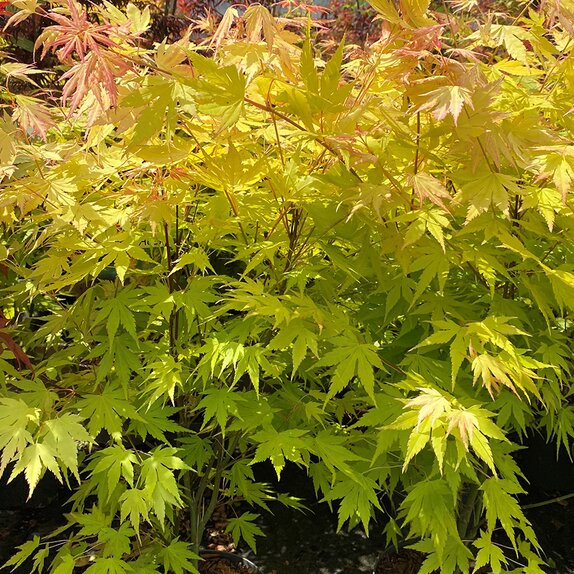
(307, 542)
(218, 565)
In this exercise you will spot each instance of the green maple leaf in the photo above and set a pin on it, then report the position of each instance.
(331, 450)
(349, 360)
(489, 554)
(92, 522)
(487, 190)
(106, 410)
(296, 334)
(219, 404)
(195, 451)
(429, 505)
(35, 459)
(358, 497)
(164, 378)
(156, 421)
(178, 558)
(115, 462)
(159, 480)
(63, 435)
(279, 446)
(243, 527)
(116, 541)
(502, 507)
(66, 565)
(117, 311)
(135, 504)
(24, 552)
(15, 417)
(109, 566)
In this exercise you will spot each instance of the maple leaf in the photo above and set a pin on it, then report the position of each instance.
(485, 191)
(358, 495)
(33, 116)
(115, 461)
(178, 558)
(95, 74)
(109, 566)
(488, 553)
(64, 436)
(116, 542)
(446, 100)
(88, 47)
(429, 504)
(24, 552)
(501, 506)
(243, 527)
(431, 405)
(352, 359)
(278, 446)
(219, 404)
(35, 458)
(136, 504)
(75, 34)
(465, 422)
(24, 8)
(429, 188)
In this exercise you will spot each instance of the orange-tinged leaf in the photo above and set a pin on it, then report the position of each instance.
(428, 187)
(33, 116)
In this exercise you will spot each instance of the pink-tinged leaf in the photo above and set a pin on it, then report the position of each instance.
(76, 35)
(89, 49)
(95, 74)
(32, 116)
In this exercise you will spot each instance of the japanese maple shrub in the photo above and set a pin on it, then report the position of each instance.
(222, 254)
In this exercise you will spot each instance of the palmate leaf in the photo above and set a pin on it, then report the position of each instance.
(159, 480)
(501, 506)
(220, 92)
(489, 553)
(219, 404)
(107, 410)
(109, 566)
(156, 421)
(117, 542)
(276, 446)
(135, 504)
(428, 187)
(32, 115)
(333, 451)
(243, 527)
(487, 190)
(429, 506)
(24, 552)
(35, 459)
(454, 558)
(118, 311)
(178, 558)
(358, 496)
(115, 462)
(446, 100)
(297, 335)
(66, 565)
(64, 435)
(350, 360)
(15, 418)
